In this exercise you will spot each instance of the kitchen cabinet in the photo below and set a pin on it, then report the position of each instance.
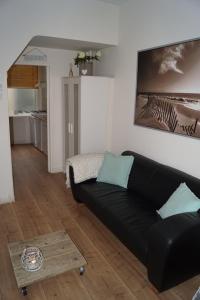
(28, 129)
(44, 136)
(22, 76)
(20, 129)
(32, 130)
(37, 133)
(38, 126)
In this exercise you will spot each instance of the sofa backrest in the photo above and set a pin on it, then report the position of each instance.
(156, 182)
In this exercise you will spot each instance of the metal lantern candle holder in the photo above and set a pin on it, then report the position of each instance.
(32, 259)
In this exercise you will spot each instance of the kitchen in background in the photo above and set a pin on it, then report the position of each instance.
(27, 97)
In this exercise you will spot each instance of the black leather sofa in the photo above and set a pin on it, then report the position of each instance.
(169, 248)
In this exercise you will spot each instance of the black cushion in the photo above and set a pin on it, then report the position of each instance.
(124, 212)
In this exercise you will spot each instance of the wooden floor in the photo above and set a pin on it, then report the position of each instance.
(44, 205)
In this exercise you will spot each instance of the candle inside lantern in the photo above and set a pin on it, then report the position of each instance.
(32, 258)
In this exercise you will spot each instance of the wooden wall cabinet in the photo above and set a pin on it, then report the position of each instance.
(22, 76)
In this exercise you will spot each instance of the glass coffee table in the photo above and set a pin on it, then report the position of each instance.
(59, 252)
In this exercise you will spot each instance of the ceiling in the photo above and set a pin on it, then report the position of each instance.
(67, 44)
(117, 2)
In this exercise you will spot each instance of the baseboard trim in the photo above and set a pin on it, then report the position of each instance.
(7, 200)
(56, 170)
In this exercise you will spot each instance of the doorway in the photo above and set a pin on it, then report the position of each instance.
(28, 113)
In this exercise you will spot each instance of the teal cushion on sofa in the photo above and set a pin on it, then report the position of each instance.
(115, 169)
(182, 200)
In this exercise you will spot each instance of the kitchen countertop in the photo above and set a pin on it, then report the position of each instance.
(23, 114)
(42, 116)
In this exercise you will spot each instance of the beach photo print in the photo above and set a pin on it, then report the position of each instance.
(168, 88)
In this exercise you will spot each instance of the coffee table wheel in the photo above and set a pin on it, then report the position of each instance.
(24, 291)
(82, 270)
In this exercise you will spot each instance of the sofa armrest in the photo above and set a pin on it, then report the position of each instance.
(75, 187)
(174, 250)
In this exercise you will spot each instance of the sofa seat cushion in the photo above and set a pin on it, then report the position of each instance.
(124, 212)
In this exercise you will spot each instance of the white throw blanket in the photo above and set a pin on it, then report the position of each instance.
(85, 166)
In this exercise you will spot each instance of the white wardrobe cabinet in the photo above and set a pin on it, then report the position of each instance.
(87, 114)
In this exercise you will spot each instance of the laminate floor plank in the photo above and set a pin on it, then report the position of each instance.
(105, 282)
(72, 286)
(122, 260)
(10, 231)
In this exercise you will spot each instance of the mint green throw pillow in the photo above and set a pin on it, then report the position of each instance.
(115, 169)
(182, 200)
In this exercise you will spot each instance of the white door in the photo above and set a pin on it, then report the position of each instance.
(71, 116)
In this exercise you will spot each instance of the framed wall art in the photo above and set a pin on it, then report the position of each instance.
(168, 88)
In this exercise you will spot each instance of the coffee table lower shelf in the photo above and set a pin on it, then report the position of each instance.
(60, 255)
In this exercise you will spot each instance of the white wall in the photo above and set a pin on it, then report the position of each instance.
(108, 64)
(145, 24)
(87, 20)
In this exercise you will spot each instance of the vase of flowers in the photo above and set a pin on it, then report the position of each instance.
(84, 60)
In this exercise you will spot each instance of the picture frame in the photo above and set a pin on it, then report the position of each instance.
(168, 88)
(196, 295)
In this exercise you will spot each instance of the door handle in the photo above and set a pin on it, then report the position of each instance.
(72, 128)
